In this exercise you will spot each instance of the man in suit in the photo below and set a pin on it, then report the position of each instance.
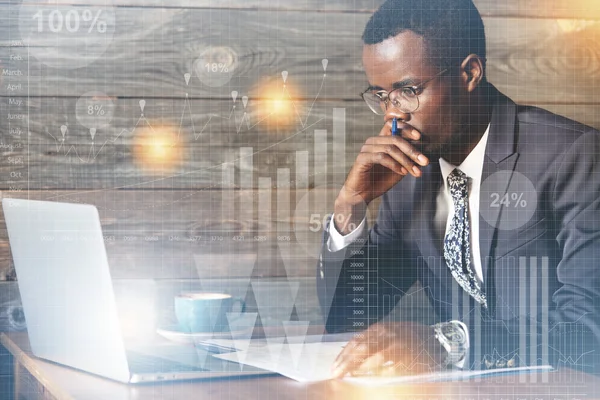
(493, 207)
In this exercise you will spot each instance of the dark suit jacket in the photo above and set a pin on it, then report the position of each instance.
(542, 280)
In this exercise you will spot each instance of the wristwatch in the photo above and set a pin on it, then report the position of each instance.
(454, 337)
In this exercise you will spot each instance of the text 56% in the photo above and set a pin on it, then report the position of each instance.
(71, 21)
(505, 200)
(318, 222)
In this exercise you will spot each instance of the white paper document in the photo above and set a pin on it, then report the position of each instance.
(442, 376)
(311, 362)
(303, 362)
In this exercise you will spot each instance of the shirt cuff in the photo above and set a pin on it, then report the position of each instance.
(337, 241)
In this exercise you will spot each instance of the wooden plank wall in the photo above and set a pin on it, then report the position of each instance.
(217, 203)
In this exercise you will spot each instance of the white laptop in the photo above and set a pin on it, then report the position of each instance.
(69, 305)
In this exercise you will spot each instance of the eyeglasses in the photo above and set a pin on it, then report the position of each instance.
(405, 99)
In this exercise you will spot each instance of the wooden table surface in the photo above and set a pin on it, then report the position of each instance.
(54, 381)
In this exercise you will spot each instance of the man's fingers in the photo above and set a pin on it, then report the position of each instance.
(390, 349)
(383, 159)
(386, 361)
(404, 146)
(395, 153)
(371, 365)
(345, 352)
(361, 350)
(409, 133)
(353, 355)
(369, 361)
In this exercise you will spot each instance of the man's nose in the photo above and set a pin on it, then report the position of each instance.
(392, 112)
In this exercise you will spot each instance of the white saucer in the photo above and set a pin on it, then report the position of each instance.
(174, 334)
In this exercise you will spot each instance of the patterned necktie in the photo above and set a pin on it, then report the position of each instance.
(457, 243)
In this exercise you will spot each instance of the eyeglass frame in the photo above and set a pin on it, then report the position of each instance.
(414, 90)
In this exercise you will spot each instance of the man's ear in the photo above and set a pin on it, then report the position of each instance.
(472, 71)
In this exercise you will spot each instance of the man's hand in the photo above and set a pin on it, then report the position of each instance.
(382, 162)
(391, 348)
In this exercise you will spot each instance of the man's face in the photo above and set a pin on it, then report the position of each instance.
(402, 58)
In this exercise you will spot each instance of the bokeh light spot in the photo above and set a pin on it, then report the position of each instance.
(157, 149)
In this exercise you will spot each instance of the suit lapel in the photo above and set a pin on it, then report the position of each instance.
(426, 190)
(500, 155)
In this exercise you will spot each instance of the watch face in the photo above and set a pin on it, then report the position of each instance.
(454, 339)
(455, 334)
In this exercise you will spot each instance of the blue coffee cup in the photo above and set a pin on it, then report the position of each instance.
(207, 311)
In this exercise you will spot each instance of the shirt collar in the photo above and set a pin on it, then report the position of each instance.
(472, 165)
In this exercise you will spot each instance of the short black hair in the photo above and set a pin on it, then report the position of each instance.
(451, 29)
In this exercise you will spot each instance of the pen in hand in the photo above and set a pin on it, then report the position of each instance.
(395, 127)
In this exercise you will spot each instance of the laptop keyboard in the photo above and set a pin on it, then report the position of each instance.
(147, 364)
